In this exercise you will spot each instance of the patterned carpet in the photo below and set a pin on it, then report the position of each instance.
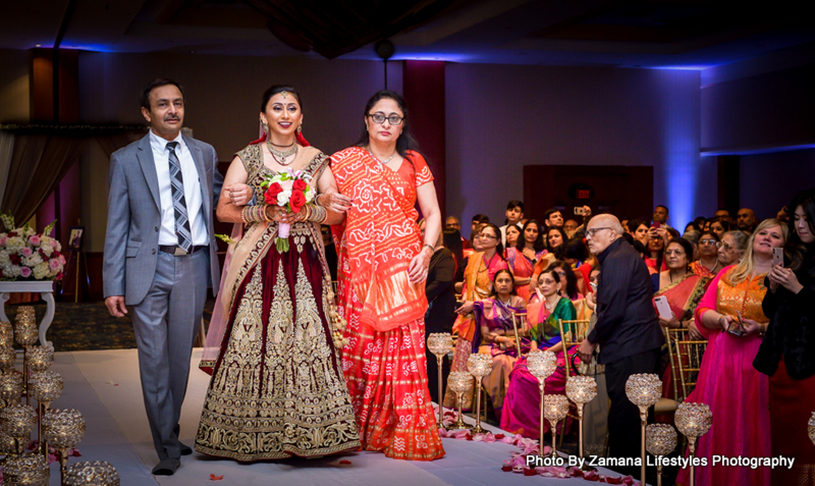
(88, 326)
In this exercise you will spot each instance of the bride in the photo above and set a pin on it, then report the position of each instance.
(277, 386)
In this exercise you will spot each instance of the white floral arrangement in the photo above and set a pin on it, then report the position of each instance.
(26, 255)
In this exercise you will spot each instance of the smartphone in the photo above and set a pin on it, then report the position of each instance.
(778, 256)
(655, 224)
(579, 211)
(663, 307)
(737, 326)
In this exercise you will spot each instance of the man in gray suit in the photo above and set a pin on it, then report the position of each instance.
(160, 253)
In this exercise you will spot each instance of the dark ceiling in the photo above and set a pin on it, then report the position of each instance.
(634, 33)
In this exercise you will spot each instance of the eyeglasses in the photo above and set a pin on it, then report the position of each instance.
(724, 246)
(484, 235)
(674, 252)
(710, 241)
(591, 232)
(379, 118)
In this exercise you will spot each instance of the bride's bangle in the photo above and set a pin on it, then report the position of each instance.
(254, 214)
(323, 202)
(315, 213)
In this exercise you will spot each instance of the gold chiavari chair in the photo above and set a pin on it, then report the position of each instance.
(518, 327)
(671, 337)
(572, 333)
(689, 359)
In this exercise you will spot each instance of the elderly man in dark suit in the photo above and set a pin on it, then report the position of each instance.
(160, 253)
(627, 329)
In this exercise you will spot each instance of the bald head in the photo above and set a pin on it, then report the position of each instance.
(602, 231)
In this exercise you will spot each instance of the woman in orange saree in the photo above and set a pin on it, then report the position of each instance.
(381, 271)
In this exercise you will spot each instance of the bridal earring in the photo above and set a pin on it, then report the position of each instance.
(265, 126)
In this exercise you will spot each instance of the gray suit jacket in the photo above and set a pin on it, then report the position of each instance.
(134, 217)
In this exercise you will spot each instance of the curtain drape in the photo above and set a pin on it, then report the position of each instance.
(6, 149)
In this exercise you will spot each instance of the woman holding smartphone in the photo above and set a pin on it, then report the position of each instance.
(787, 354)
(731, 316)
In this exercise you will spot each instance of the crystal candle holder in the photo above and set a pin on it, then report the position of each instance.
(479, 365)
(30, 469)
(581, 390)
(11, 386)
(45, 387)
(440, 344)
(6, 334)
(8, 357)
(39, 358)
(555, 409)
(9, 445)
(644, 390)
(96, 473)
(25, 327)
(63, 429)
(541, 364)
(459, 382)
(660, 440)
(693, 420)
(18, 420)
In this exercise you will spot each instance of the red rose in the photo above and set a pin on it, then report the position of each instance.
(272, 192)
(299, 185)
(297, 200)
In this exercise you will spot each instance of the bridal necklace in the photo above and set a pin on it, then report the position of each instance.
(281, 156)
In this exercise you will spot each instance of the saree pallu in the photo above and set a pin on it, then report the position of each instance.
(523, 267)
(698, 269)
(737, 394)
(477, 286)
(384, 361)
(496, 315)
(790, 408)
(683, 297)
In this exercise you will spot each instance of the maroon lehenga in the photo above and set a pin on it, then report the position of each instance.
(277, 387)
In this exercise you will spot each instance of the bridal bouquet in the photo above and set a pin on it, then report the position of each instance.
(291, 190)
(27, 255)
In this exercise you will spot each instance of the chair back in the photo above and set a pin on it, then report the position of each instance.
(671, 337)
(518, 319)
(689, 360)
(572, 333)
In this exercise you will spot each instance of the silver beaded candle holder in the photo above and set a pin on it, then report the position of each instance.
(46, 386)
(693, 420)
(11, 386)
(26, 334)
(479, 365)
(6, 335)
(10, 445)
(660, 440)
(8, 358)
(39, 358)
(541, 364)
(440, 344)
(63, 429)
(18, 421)
(29, 469)
(581, 390)
(644, 390)
(459, 382)
(95, 473)
(555, 409)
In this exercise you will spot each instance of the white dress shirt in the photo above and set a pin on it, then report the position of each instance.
(192, 192)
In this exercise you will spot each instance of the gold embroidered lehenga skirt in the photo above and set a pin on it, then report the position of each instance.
(277, 389)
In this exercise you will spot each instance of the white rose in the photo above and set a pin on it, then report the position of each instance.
(32, 261)
(283, 198)
(4, 259)
(42, 271)
(15, 244)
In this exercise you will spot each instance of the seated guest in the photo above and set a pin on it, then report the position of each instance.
(478, 220)
(521, 412)
(732, 247)
(708, 263)
(570, 227)
(787, 353)
(693, 238)
(496, 334)
(553, 219)
(513, 233)
(639, 230)
(746, 220)
(720, 226)
(452, 222)
(624, 222)
(700, 222)
(478, 277)
(737, 394)
(523, 257)
(514, 213)
(569, 288)
(554, 239)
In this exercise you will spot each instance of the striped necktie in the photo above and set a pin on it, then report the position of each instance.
(182, 222)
